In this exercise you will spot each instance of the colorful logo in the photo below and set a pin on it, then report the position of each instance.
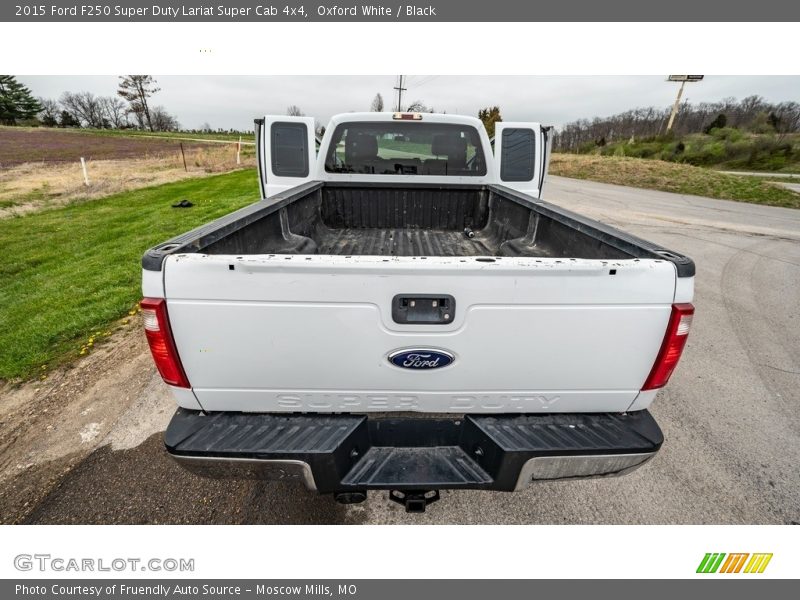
(734, 563)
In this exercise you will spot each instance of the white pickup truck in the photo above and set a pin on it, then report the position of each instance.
(402, 311)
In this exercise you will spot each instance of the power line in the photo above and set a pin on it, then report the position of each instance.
(427, 80)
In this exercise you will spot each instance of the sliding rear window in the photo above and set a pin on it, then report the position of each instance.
(406, 148)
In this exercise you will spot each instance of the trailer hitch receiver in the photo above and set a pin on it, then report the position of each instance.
(355, 497)
(415, 501)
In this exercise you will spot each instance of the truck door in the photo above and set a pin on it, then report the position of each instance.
(286, 152)
(522, 154)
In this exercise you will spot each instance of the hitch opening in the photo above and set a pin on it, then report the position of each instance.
(350, 497)
(415, 501)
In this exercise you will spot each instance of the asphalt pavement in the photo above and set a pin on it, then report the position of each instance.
(730, 415)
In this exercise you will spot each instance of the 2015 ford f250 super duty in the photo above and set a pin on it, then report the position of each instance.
(402, 311)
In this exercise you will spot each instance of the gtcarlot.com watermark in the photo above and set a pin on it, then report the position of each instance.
(59, 564)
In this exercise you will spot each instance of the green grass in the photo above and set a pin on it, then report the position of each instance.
(726, 149)
(411, 147)
(228, 137)
(672, 177)
(36, 195)
(72, 271)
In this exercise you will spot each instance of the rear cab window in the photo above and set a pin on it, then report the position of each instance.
(517, 162)
(289, 150)
(405, 148)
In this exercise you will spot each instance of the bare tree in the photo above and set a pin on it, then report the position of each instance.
(418, 106)
(84, 106)
(377, 103)
(161, 120)
(49, 113)
(114, 111)
(294, 111)
(136, 89)
(786, 118)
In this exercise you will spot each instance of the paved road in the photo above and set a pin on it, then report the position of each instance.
(761, 174)
(731, 414)
(795, 187)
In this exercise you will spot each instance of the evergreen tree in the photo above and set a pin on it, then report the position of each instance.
(718, 123)
(489, 116)
(67, 120)
(16, 101)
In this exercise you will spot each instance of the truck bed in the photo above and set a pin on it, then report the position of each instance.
(387, 221)
(426, 221)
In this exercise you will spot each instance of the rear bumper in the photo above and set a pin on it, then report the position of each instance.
(342, 453)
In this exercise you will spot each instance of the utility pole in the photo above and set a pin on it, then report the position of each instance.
(400, 89)
(683, 79)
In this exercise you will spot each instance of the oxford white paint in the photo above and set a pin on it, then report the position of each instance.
(185, 398)
(532, 187)
(313, 335)
(684, 289)
(152, 283)
(477, 401)
(275, 184)
(643, 400)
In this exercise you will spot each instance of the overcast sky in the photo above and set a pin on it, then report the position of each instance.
(234, 101)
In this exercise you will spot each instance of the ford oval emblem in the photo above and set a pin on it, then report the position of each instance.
(421, 358)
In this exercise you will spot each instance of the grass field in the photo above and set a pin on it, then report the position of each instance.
(672, 177)
(69, 273)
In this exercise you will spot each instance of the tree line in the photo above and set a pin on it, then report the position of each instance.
(753, 113)
(129, 108)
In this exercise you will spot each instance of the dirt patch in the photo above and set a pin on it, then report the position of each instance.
(47, 427)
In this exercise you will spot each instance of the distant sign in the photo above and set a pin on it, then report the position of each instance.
(686, 77)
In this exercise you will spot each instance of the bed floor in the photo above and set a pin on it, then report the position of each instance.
(401, 242)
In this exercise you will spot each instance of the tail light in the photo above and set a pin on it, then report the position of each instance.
(672, 347)
(162, 346)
